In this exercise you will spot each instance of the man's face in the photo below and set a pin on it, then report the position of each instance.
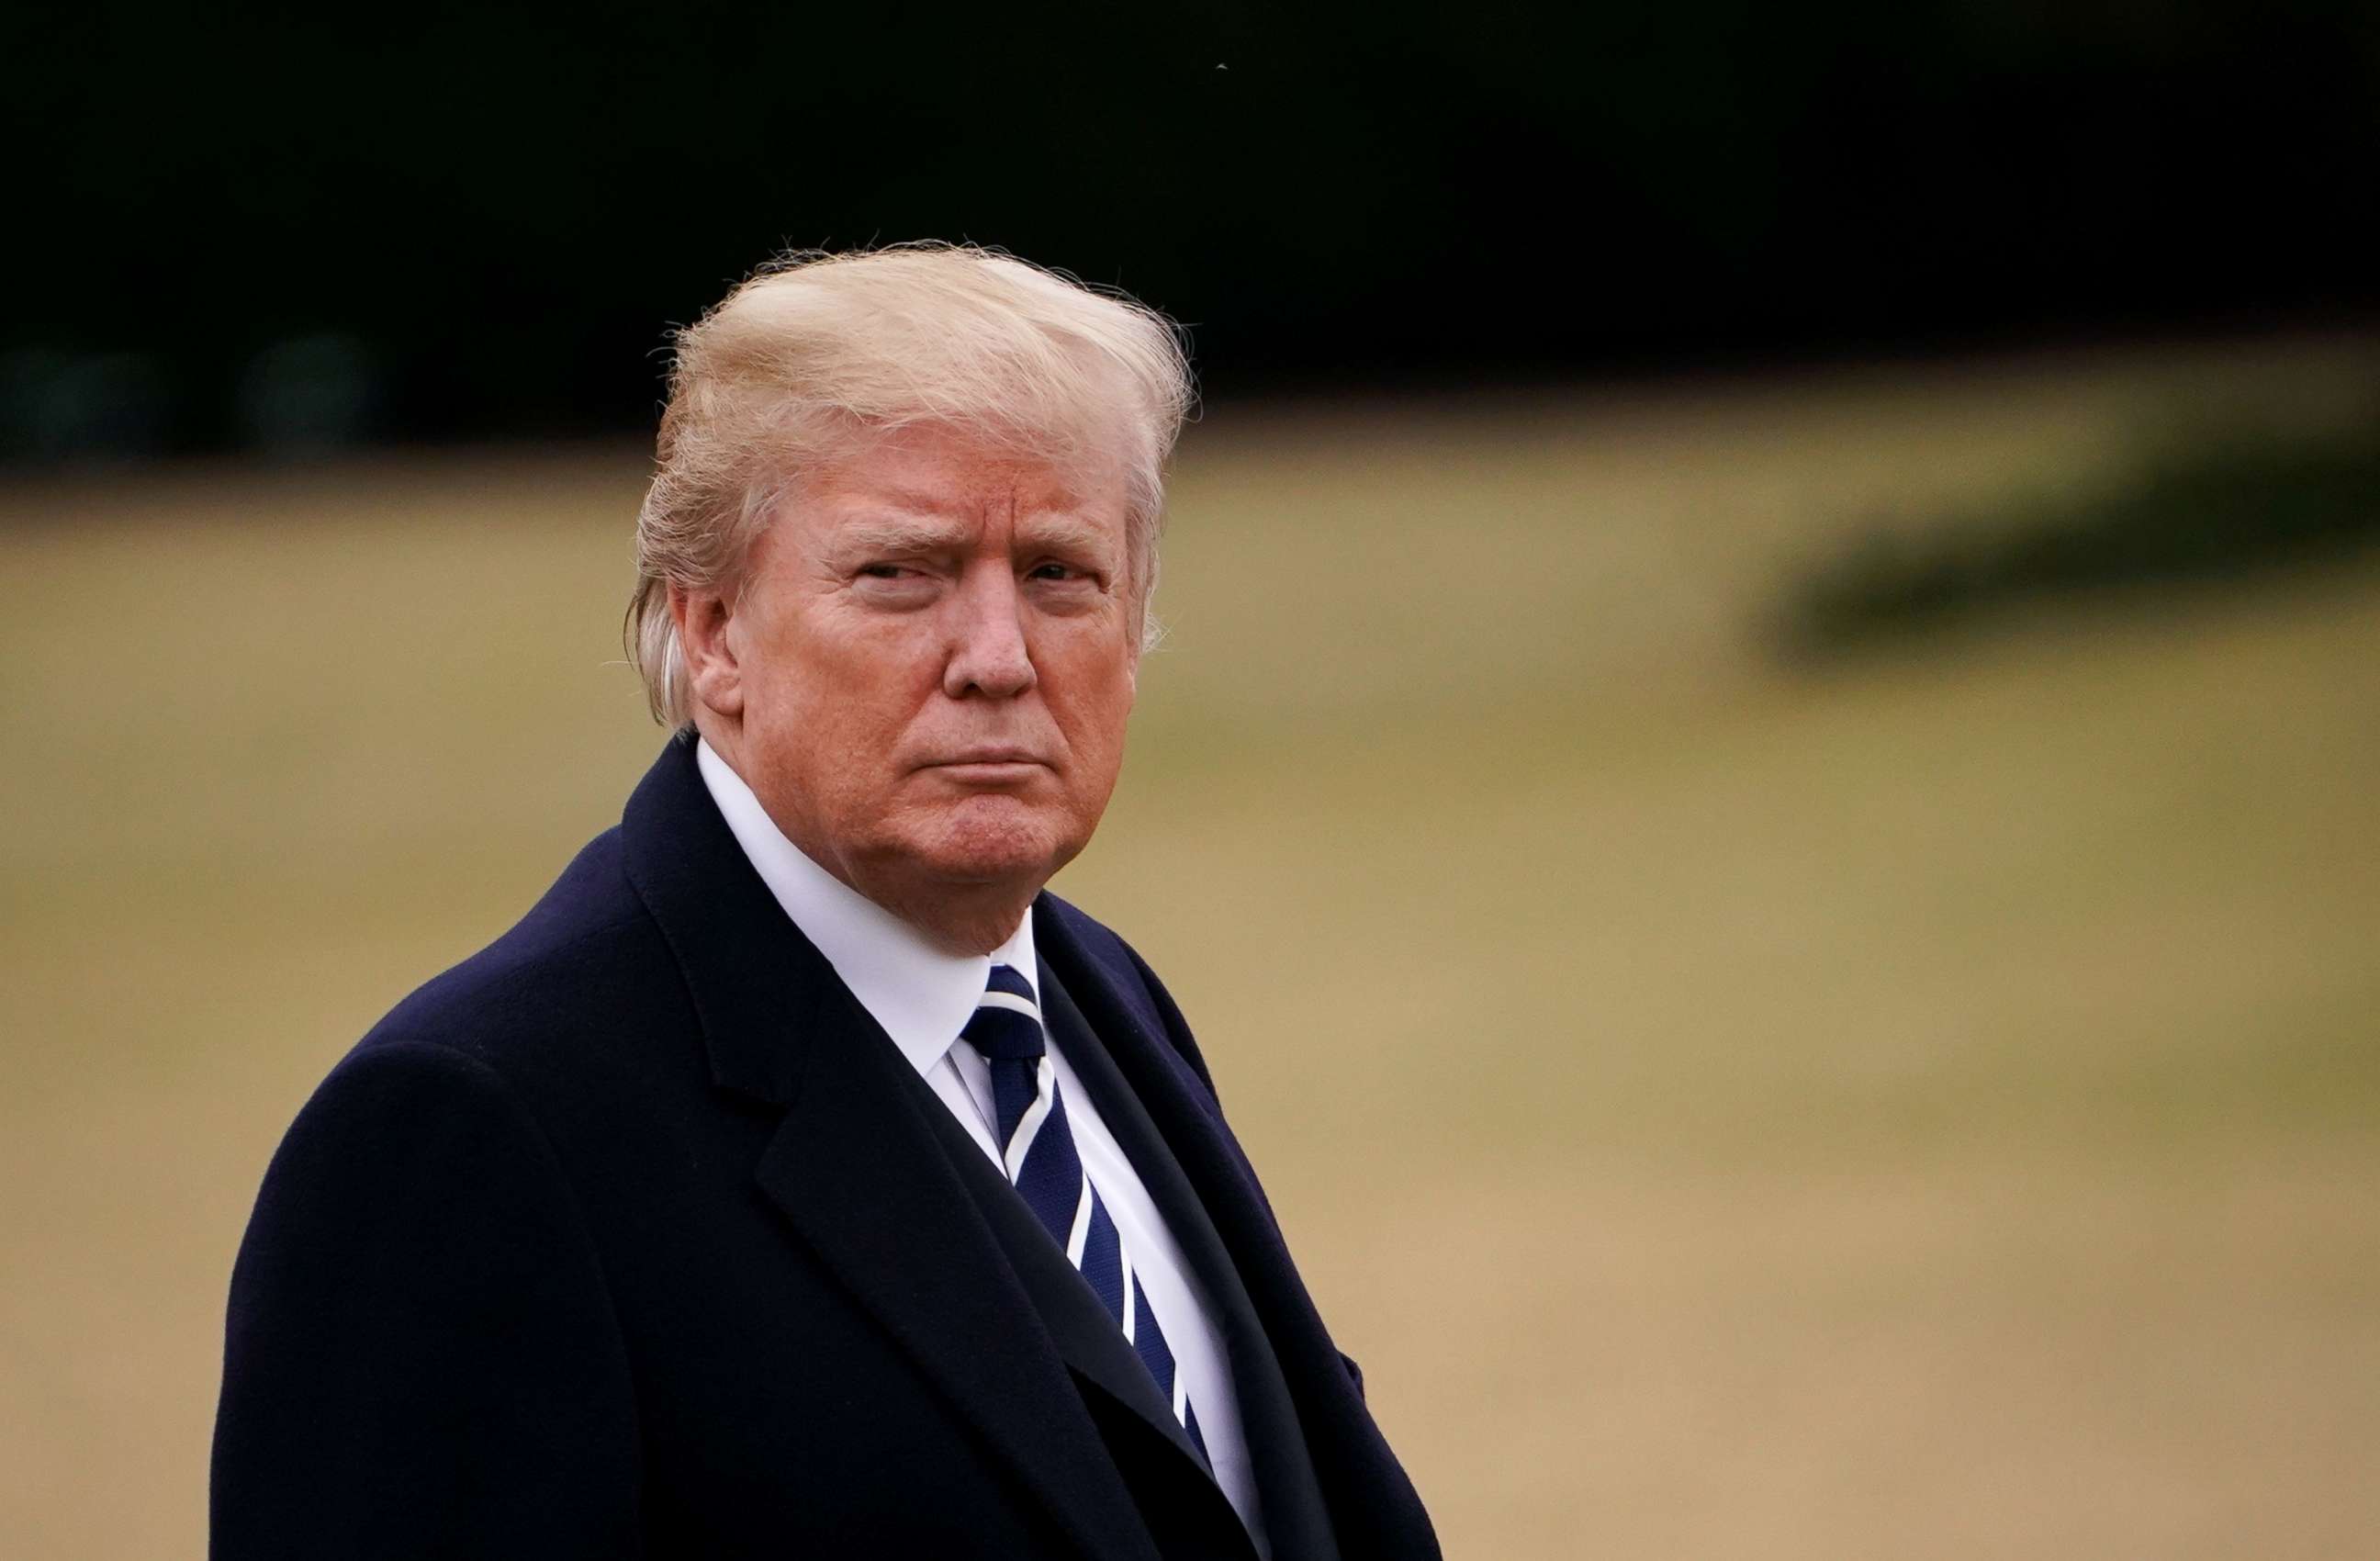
(935, 647)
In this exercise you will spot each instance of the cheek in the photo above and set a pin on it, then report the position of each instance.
(1098, 716)
(844, 681)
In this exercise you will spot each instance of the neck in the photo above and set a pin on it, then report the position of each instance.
(975, 920)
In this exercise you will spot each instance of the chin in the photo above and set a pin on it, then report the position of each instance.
(989, 839)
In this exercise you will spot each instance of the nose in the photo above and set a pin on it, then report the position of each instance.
(988, 654)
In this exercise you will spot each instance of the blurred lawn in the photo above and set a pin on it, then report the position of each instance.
(1928, 1108)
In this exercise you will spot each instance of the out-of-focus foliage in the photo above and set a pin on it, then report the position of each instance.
(2196, 516)
(493, 211)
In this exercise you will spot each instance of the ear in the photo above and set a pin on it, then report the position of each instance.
(712, 671)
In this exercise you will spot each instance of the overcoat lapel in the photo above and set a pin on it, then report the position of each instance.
(1085, 1337)
(1297, 1518)
(1372, 1506)
(1200, 1518)
(856, 1170)
(854, 1166)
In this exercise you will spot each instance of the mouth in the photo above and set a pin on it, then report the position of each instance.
(988, 766)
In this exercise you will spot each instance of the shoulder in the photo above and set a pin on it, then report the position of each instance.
(1094, 939)
(1121, 969)
(573, 995)
(539, 1054)
(1098, 945)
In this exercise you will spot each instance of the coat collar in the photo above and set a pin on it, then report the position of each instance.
(854, 1166)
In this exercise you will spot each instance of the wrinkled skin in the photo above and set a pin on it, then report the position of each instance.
(925, 670)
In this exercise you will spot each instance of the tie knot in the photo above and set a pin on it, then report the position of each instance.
(1007, 1022)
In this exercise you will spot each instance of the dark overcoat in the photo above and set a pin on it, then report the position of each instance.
(633, 1235)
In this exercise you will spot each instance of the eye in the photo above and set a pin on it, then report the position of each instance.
(1060, 572)
(893, 584)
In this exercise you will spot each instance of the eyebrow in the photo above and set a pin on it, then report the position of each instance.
(1062, 531)
(897, 534)
(907, 533)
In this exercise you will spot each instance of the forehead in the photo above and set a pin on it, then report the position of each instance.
(935, 472)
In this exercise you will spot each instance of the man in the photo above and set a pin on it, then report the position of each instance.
(798, 1177)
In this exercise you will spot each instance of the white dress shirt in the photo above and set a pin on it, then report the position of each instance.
(923, 996)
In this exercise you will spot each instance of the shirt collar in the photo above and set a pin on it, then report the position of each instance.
(921, 996)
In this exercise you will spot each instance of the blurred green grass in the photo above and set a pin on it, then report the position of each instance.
(1921, 1106)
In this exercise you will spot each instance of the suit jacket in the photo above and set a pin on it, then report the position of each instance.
(634, 1234)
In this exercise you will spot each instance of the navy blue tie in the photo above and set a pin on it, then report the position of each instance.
(1037, 1151)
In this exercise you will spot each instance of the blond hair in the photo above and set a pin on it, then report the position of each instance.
(817, 349)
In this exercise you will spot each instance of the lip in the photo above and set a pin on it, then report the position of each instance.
(987, 755)
(988, 766)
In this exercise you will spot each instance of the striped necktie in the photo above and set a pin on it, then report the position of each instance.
(1037, 1151)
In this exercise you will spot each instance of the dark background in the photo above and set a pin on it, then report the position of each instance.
(306, 227)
